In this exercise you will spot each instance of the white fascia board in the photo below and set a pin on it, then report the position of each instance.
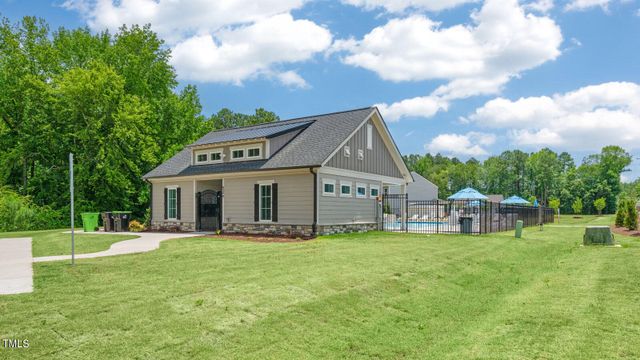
(327, 170)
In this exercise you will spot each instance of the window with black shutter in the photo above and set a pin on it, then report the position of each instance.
(178, 206)
(166, 203)
(274, 202)
(256, 202)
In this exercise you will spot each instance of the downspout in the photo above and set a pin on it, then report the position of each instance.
(314, 226)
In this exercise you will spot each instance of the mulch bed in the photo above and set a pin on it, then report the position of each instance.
(624, 231)
(260, 238)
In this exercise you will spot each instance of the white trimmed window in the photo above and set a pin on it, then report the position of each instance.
(237, 154)
(328, 187)
(202, 158)
(266, 202)
(347, 151)
(345, 189)
(374, 191)
(360, 154)
(172, 203)
(216, 156)
(369, 136)
(361, 190)
(253, 152)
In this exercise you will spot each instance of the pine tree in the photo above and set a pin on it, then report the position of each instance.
(631, 218)
(621, 212)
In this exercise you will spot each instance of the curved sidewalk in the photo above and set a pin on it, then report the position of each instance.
(145, 242)
(16, 273)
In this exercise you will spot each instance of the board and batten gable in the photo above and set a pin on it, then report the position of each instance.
(295, 198)
(186, 200)
(341, 210)
(377, 160)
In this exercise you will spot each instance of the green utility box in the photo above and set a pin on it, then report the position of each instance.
(597, 235)
(519, 225)
(90, 221)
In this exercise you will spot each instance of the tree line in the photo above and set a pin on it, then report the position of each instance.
(111, 99)
(552, 178)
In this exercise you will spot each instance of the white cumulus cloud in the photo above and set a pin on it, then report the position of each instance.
(398, 6)
(425, 106)
(219, 41)
(501, 41)
(542, 6)
(585, 119)
(237, 54)
(577, 5)
(469, 144)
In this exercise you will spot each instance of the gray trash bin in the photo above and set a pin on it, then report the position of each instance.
(466, 224)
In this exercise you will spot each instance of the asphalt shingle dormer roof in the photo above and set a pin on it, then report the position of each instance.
(320, 136)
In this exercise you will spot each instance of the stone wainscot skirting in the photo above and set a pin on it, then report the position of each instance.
(296, 230)
(172, 225)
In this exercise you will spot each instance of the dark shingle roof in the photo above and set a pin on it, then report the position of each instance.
(253, 132)
(322, 135)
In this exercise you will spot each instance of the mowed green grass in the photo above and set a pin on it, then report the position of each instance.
(375, 295)
(57, 242)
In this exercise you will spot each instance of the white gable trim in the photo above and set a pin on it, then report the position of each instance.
(327, 170)
(386, 138)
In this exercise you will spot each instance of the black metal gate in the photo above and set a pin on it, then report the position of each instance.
(399, 214)
(208, 204)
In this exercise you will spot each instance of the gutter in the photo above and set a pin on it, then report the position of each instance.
(314, 226)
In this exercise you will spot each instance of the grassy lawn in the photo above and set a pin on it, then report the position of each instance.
(56, 242)
(582, 220)
(374, 295)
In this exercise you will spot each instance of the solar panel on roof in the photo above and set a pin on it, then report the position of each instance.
(249, 133)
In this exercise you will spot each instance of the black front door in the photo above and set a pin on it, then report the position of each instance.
(209, 215)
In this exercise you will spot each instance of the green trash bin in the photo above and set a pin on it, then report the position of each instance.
(519, 225)
(90, 221)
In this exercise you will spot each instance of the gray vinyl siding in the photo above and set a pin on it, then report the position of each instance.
(295, 199)
(337, 210)
(186, 200)
(276, 143)
(378, 160)
(419, 189)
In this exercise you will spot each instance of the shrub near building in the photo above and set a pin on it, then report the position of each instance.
(631, 215)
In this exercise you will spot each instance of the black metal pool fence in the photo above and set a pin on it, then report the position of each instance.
(400, 214)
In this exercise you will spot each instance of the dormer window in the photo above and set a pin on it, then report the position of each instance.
(253, 152)
(216, 156)
(202, 158)
(347, 151)
(237, 154)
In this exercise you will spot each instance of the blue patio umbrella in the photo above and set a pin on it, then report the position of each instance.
(535, 203)
(515, 200)
(467, 194)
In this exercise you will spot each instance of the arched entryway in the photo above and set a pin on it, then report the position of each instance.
(209, 210)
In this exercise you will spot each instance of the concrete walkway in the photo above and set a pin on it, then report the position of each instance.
(145, 242)
(16, 274)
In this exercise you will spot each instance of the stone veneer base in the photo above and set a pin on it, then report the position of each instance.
(296, 230)
(170, 225)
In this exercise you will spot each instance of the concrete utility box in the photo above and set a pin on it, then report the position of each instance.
(519, 225)
(597, 235)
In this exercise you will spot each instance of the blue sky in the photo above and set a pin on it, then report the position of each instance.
(460, 77)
